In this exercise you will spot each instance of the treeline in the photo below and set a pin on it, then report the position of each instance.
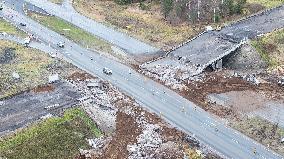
(195, 10)
(201, 10)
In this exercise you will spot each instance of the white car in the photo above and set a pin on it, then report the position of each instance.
(53, 55)
(60, 44)
(107, 71)
(27, 41)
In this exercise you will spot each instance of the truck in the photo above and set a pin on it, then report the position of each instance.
(27, 41)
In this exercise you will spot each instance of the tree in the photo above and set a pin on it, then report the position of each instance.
(167, 6)
(230, 7)
(238, 8)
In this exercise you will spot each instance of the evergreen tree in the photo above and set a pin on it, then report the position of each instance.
(167, 6)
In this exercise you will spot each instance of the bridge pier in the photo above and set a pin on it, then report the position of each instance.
(217, 65)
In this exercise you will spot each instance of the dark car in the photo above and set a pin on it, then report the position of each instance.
(107, 71)
(23, 24)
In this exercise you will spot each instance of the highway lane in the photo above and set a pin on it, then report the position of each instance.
(125, 42)
(169, 103)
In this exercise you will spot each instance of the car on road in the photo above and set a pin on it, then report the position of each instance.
(27, 41)
(107, 71)
(23, 24)
(60, 44)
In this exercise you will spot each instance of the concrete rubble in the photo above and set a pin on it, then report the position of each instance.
(49, 115)
(147, 142)
(98, 144)
(167, 74)
(251, 78)
(105, 104)
(281, 81)
(53, 78)
(86, 153)
(97, 99)
(172, 76)
(15, 75)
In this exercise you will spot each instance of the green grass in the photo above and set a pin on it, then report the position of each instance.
(262, 131)
(33, 66)
(56, 137)
(30, 64)
(10, 29)
(267, 3)
(271, 48)
(72, 32)
(259, 45)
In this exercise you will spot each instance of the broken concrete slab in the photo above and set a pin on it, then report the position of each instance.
(15, 75)
(211, 46)
(218, 99)
(53, 78)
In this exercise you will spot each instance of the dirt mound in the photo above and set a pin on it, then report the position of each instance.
(79, 76)
(44, 88)
(216, 82)
(126, 133)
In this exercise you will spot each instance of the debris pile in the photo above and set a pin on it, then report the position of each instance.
(252, 79)
(138, 133)
(97, 98)
(15, 75)
(147, 142)
(170, 75)
(281, 81)
(53, 78)
(99, 144)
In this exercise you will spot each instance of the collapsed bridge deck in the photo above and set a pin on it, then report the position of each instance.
(210, 47)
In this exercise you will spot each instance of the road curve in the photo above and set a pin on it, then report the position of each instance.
(125, 42)
(151, 95)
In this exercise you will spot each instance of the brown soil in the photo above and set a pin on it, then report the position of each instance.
(198, 91)
(126, 132)
(44, 88)
(216, 83)
(80, 76)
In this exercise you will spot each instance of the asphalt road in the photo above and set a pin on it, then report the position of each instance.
(123, 41)
(256, 25)
(152, 95)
